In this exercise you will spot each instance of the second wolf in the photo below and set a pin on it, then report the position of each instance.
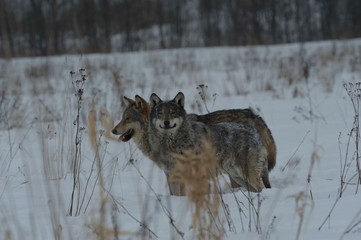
(239, 148)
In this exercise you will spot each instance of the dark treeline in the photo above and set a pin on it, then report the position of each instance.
(47, 27)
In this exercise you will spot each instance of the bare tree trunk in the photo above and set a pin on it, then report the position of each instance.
(177, 34)
(106, 25)
(38, 27)
(5, 34)
(354, 11)
(256, 32)
(52, 31)
(210, 22)
(327, 18)
(160, 22)
(88, 25)
(128, 43)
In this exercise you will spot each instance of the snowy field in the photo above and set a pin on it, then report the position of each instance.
(298, 90)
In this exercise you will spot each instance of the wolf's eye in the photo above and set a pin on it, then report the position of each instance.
(160, 113)
(172, 113)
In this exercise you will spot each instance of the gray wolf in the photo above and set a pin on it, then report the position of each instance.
(239, 149)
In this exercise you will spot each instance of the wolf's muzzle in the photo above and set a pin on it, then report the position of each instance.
(126, 136)
(166, 125)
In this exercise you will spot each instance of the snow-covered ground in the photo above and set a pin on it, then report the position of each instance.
(297, 89)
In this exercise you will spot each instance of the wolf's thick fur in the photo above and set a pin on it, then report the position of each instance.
(247, 117)
(134, 125)
(239, 148)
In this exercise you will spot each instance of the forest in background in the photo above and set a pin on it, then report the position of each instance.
(50, 27)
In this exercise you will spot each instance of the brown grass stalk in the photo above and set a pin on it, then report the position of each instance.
(101, 231)
(108, 124)
(198, 172)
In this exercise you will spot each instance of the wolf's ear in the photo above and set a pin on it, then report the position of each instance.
(154, 100)
(139, 102)
(127, 101)
(179, 99)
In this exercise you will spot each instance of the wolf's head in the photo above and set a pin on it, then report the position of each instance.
(134, 120)
(167, 116)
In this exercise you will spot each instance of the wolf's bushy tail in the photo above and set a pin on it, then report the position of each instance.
(268, 141)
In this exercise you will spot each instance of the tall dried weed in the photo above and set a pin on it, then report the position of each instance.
(198, 172)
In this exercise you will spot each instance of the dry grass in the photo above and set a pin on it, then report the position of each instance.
(101, 233)
(198, 172)
(350, 169)
(99, 229)
(107, 123)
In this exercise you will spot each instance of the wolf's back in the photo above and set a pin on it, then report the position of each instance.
(243, 116)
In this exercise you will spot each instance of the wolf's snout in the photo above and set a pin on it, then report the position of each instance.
(166, 123)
